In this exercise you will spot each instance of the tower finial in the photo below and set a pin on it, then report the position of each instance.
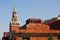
(14, 10)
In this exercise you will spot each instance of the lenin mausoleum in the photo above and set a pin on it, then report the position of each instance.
(33, 29)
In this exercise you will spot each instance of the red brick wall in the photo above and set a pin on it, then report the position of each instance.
(15, 28)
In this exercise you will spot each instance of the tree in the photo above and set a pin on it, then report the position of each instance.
(50, 37)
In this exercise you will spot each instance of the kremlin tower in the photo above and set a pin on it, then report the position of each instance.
(14, 24)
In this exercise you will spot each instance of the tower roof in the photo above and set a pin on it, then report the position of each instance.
(14, 20)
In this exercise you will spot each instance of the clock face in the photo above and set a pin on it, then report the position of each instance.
(15, 19)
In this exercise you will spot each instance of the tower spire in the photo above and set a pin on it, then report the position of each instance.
(14, 10)
(14, 17)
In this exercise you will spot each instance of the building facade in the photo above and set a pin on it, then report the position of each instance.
(34, 29)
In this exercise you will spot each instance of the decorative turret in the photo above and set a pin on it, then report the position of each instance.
(58, 18)
(14, 17)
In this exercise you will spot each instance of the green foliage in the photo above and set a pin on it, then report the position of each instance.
(50, 37)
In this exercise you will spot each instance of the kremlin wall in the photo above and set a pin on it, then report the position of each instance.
(34, 29)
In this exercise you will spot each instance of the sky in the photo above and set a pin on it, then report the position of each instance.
(42, 9)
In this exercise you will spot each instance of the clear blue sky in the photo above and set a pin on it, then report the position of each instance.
(43, 9)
